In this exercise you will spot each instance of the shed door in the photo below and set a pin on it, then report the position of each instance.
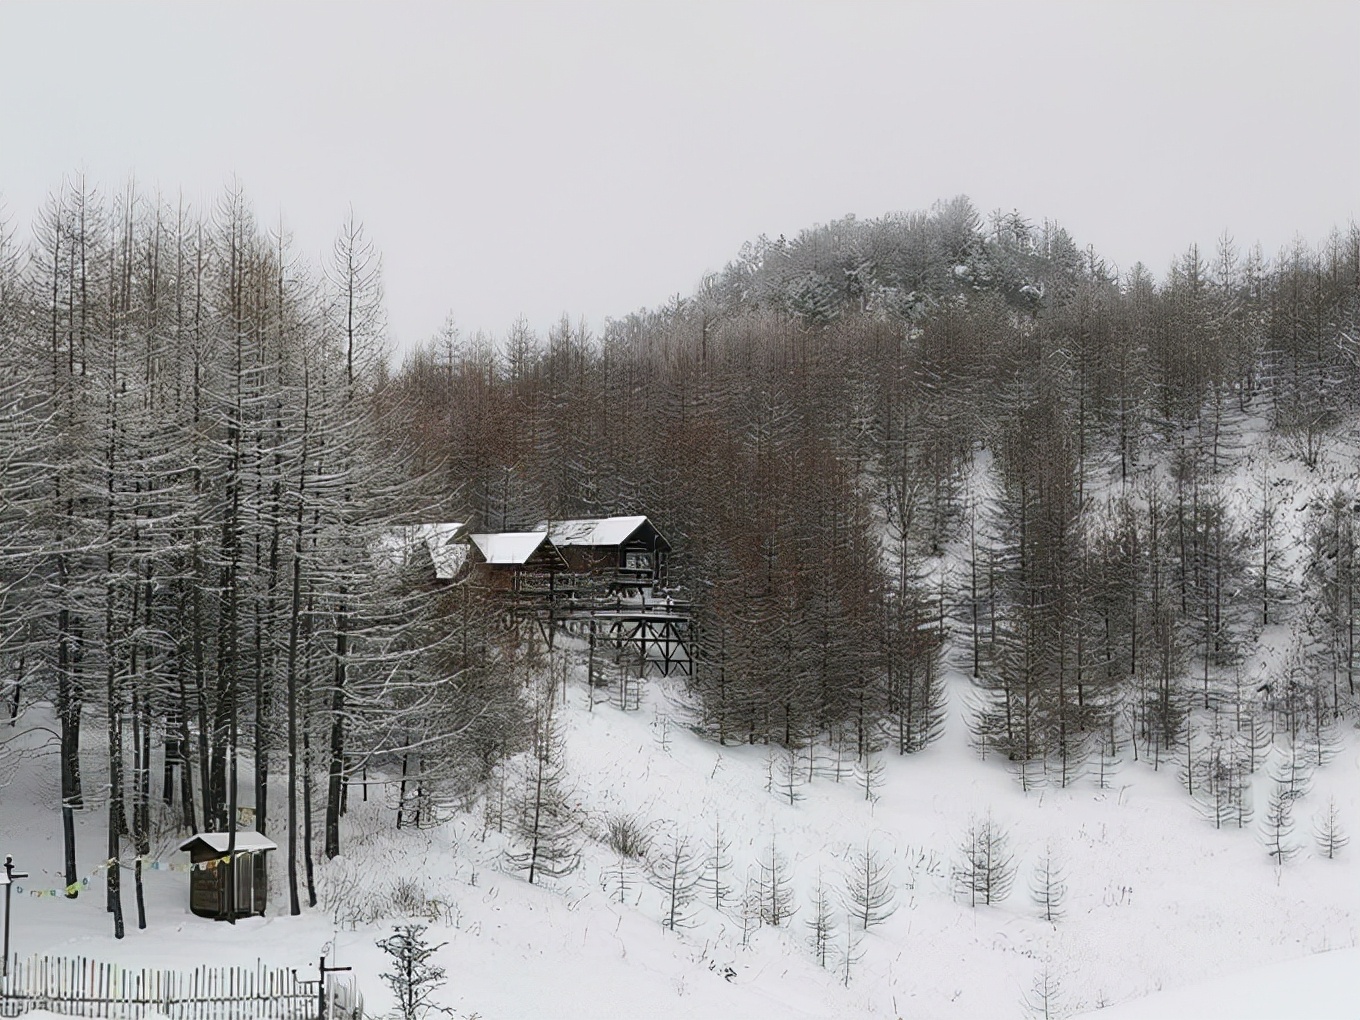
(245, 883)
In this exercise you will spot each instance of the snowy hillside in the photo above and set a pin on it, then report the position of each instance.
(1323, 985)
(1153, 899)
(1157, 898)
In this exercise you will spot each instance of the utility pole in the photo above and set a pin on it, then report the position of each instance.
(8, 878)
(323, 970)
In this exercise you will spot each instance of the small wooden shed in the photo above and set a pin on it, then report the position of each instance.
(208, 879)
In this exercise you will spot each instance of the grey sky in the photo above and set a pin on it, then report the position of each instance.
(595, 158)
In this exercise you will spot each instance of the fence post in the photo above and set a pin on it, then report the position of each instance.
(10, 876)
(321, 986)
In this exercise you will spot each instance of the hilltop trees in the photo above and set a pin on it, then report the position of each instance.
(821, 424)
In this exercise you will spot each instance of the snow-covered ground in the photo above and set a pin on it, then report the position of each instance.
(1324, 985)
(1165, 916)
(1157, 900)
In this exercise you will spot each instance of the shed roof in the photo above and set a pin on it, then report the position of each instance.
(247, 840)
(593, 531)
(513, 547)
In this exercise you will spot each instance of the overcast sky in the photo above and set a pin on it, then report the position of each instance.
(592, 159)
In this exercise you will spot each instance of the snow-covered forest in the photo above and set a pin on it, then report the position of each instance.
(889, 437)
(961, 510)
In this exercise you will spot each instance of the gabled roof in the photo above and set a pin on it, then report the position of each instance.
(447, 548)
(512, 547)
(593, 531)
(406, 545)
(247, 840)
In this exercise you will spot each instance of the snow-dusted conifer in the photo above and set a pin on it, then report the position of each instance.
(1327, 831)
(773, 887)
(869, 775)
(986, 867)
(751, 912)
(1048, 886)
(544, 822)
(851, 954)
(790, 777)
(1107, 758)
(496, 800)
(1294, 773)
(1044, 1000)
(870, 897)
(619, 879)
(716, 864)
(414, 976)
(675, 872)
(1278, 823)
(821, 925)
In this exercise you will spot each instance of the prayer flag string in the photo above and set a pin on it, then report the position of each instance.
(145, 860)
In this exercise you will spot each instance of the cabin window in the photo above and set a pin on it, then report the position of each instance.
(638, 561)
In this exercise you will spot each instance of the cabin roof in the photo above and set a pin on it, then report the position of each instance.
(512, 547)
(593, 531)
(447, 548)
(247, 840)
(444, 542)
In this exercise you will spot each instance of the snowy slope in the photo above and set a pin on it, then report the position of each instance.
(1158, 898)
(1160, 904)
(1319, 987)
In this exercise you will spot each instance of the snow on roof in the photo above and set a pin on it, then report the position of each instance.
(399, 547)
(508, 546)
(593, 531)
(246, 840)
(447, 549)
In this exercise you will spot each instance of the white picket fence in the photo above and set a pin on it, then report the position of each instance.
(90, 988)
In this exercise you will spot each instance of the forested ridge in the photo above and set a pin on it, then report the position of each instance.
(823, 419)
(883, 451)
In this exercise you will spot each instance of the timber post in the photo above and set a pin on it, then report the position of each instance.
(10, 876)
(322, 971)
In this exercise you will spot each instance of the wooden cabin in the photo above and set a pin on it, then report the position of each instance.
(629, 551)
(208, 883)
(588, 558)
